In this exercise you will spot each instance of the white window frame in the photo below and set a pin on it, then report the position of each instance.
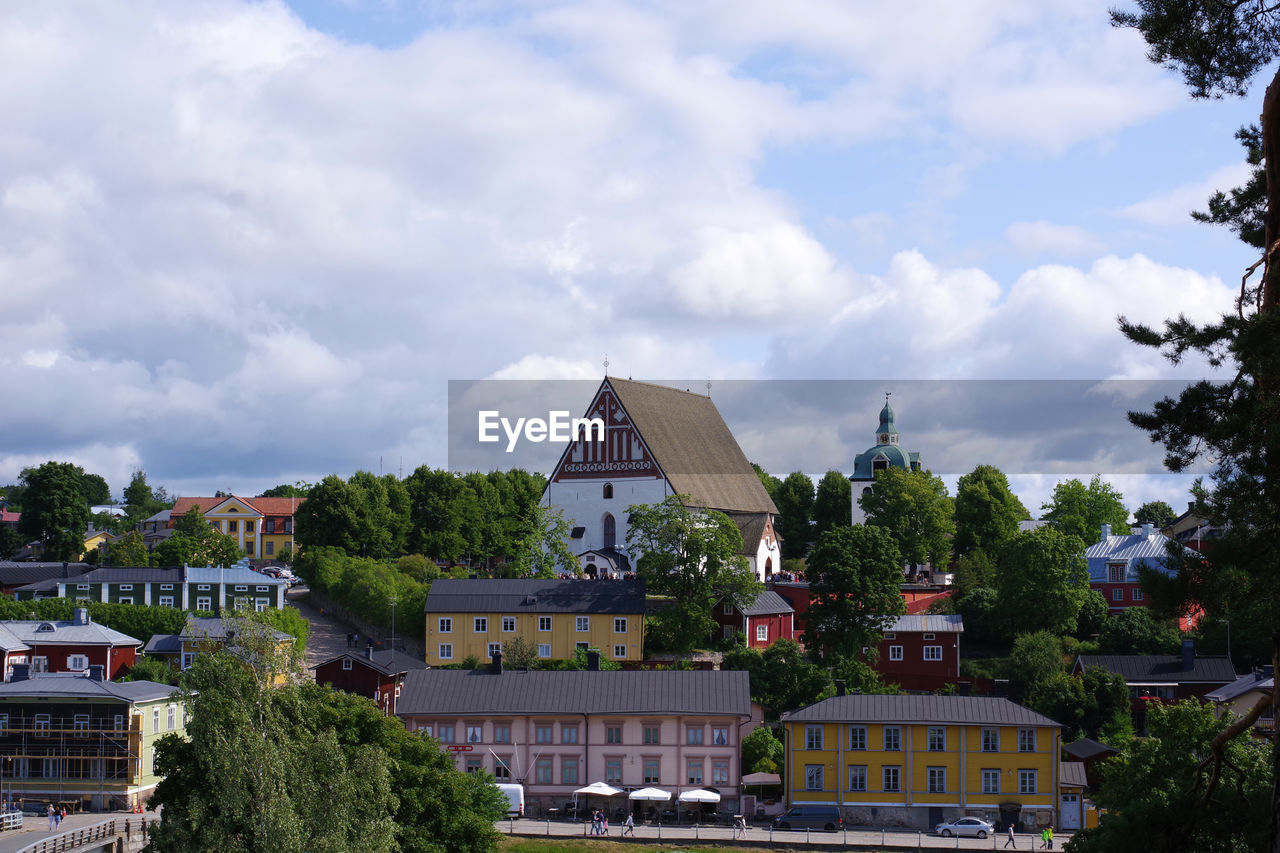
(445, 651)
(582, 624)
(896, 740)
(762, 633)
(858, 738)
(508, 624)
(619, 652)
(813, 780)
(895, 653)
(544, 650)
(544, 623)
(1027, 781)
(480, 625)
(77, 663)
(347, 663)
(493, 648)
(445, 625)
(813, 737)
(1026, 740)
(936, 780)
(166, 601)
(991, 781)
(933, 653)
(891, 778)
(619, 624)
(857, 777)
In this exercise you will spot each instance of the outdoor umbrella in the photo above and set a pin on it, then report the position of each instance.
(649, 794)
(699, 795)
(762, 779)
(600, 789)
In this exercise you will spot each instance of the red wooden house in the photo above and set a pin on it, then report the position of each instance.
(770, 617)
(376, 674)
(921, 652)
(67, 646)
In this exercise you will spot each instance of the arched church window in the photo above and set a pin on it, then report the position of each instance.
(610, 531)
(608, 491)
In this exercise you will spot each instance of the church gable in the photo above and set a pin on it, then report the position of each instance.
(623, 453)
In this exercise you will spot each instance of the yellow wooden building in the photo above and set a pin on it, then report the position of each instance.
(467, 617)
(262, 527)
(915, 761)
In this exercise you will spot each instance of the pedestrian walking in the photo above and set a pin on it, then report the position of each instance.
(1012, 840)
(1049, 832)
(1044, 839)
(57, 819)
(629, 827)
(740, 826)
(49, 810)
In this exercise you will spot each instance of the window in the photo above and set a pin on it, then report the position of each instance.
(241, 603)
(990, 781)
(155, 720)
(82, 586)
(262, 589)
(619, 652)
(613, 734)
(728, 608)
(889, 778)
(892, 738)
(895, 653)
(652, 734)
(933, 652)
(81, 724)
(4, 724)
(619, 624)
(204, 603)
(720, 735)
(652, 768)
(608, 491)
(242, 588)
(188, 658)
(481, 624)
(693, 736)
(542, 771)
(609, 531)
(544, 650)
(937, 737)
(202, 587)
(446, 625)
(857, 737)
(1026, 740)
(446, 651)
(474, 733)
(928, 636)
(857, 777)
(269, 526)
(502, 768)
(346, 663)
(166, 587)
(42, 725)
(446, 733)
(166, 601)
(1115, 572)
(508, 623)
(270, 548)
(937, 780)
(762, 633)
(248, 526)
(544, 623)
(569, 770)
(1117, 594)
(542, 734)
(694, 771)
(288, 525)
(1137, 594)
(582, 646)
(171, 718)
(77, 663)
(233, 527)
(51, 765)
(501, 733)
(117, 722)
(128, 599)
(719, 772)
(813, 777)
(568, 734)
(1026, 781)
(126, 587)
(494, 649)
(260, 605)
(613, 771)
(813, 737)
(582, 623)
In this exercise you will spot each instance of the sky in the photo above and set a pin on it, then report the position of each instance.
(251, 243)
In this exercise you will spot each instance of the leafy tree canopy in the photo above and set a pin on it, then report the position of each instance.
(782, 677)
(1042, 582)
(916, 510)
(195, 543)
(833, 503)
(794, 499)
(762, 751)
(854, 575)
(1035, 660)
(95, 489)
(1157, 513)
(1080, 511)
(987, 511)
(1135, 631)
(54, 509)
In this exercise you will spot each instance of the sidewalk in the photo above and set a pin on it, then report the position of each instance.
(37, 828)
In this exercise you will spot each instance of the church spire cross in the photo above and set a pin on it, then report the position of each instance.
(606, 364)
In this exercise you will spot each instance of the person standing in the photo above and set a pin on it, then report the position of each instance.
(1012, 840)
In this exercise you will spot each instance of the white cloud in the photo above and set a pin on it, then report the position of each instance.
(1171, 208)
(1038, 237)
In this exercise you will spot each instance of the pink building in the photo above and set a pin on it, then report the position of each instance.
(557, 731)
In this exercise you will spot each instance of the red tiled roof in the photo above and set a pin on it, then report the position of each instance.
(266, 506)
(7, 517)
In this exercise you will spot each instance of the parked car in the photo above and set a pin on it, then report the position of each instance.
(810, 817)
(966, 826)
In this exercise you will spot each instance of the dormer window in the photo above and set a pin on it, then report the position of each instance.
(45, 627)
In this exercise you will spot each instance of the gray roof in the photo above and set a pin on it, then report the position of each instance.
(751, 526)
(1134, 549)
(693, 446)
(12, 573)
(66, 631)
(1086, 748)
(163, 644)
(863, 708)
(949, 623)
(456, 692)
(496, 595)
(1072, 773)
(204, 574)
(215, 628)
(1260, 679)
(63, 684)
(768, 602)
(386, 661)
(169, 574)
(1163, 669)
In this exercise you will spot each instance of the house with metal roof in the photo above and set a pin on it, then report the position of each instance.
(657, 441)
(207, 634)
(378, 675)
(186, 587)
(1240, 696)
(82, 741)
(477, 616)
(557, 731)
(914, 761)
(1163, 678)
(921, 651)
(66, 645)
(262, 527)
(1115, 560)
(763, 622)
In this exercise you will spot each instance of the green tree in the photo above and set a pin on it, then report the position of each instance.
(1156, 797)
(1157, 513)
(762, 751)
(129, 550)
(1136, 631)
(1093, 614)
(95, 489)
(1034, 661)
(54, 509)
(441, 508)
(782, 677)
(916, 510)
(770, 482)
(1042, 582)
(833, 503)
(854, 574)
(140, 500)
(195, 543)
(154, 669)
(284, 490)
(980, 608)
(987, 511)
(692, 557)
(1095, 705)
(541, 547)
(794, 499)
(520, 653)
(10, 541)
(971, 571)
(366, 516)
(1079, 510)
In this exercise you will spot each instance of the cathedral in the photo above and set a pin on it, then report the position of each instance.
(885, 454)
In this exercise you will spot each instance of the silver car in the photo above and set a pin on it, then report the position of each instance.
(974, 827)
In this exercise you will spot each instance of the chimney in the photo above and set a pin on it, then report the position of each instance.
(1147, 528)
(1188, 655)
(66, 569)
(593, 661)
(21, 672)
(368, 652)
(80, 616)
(496, 666)
(1106, 531)
(1002, 687)
(840, 687)
(96, 672)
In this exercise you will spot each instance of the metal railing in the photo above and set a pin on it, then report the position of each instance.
(74, 838)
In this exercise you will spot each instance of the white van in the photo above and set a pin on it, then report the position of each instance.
(515, 799)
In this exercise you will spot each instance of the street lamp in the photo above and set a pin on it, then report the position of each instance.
(393, 622)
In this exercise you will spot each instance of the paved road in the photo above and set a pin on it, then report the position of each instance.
(37, 828)
(328, 635)
(879, 839)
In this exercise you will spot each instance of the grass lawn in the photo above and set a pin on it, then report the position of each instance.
(515, 844)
